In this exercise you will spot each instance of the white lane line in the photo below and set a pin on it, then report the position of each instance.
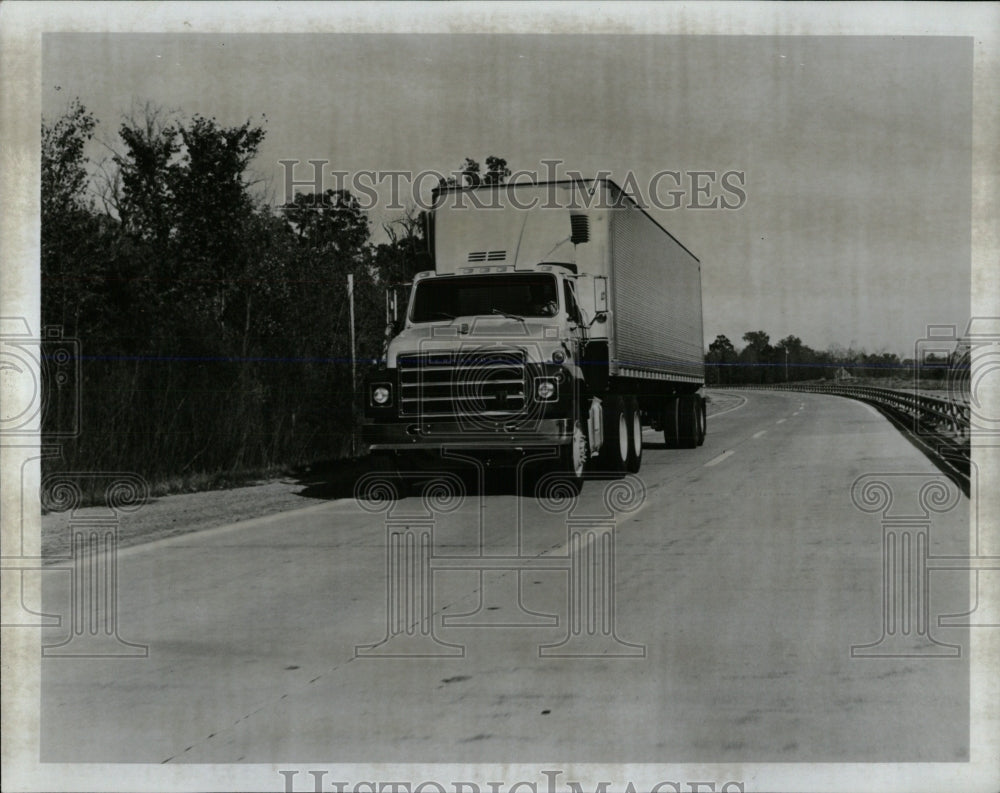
(796, 412)
(729, 410)
(334, 507)
(759, 434)
(779, 421)
(720, 458)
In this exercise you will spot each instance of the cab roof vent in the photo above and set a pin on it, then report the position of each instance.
(487, 256)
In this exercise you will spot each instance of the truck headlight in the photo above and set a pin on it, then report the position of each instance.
(545, 390)
(380, 395)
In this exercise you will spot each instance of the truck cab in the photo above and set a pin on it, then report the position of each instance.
(489, 358)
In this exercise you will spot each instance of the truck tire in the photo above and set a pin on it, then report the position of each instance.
(688, 421)
(634, 419)
(668, 420)
(573, 457)
(615, 448)
(702, 420)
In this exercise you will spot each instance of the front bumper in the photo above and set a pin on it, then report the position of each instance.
(454, 434)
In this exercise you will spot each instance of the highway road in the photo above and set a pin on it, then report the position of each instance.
(743, 575)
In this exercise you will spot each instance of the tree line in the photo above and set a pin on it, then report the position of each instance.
(213, 327)
(790, 360)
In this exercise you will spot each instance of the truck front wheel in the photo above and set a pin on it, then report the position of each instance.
(573, 458)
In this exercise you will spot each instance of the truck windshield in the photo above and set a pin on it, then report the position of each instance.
(523, 295)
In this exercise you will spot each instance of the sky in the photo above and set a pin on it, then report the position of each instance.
(856, 151)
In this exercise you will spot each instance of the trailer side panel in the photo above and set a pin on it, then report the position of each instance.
(657, 302)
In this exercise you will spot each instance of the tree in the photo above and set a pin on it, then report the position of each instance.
(757, 357)
(144, 180)
(74, 238)
(471, 175)
(64, 162)
(721, 354)
(330, 224)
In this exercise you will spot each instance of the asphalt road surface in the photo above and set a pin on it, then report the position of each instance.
(743, 574)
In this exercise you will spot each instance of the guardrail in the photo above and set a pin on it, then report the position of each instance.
(940, 425)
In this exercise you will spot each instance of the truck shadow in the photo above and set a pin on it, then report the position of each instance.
(339, 479)
(331, 479)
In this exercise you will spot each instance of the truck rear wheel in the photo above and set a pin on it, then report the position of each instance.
(702, 420)
(688, 421)
(668, 419)
(615, 448)
(634, 418)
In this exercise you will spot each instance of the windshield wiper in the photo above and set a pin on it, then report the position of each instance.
(509, 316)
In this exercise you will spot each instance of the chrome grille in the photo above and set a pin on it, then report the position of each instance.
(474, 383)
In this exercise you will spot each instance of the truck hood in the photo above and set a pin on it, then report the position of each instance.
(537, 337)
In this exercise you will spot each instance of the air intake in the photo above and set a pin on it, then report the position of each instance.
(487, 256)
(579, 228)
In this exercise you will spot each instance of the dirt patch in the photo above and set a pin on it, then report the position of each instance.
(168, 516)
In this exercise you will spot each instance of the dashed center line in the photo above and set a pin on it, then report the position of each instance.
(720, 458)
(759, 434)
(779, 421)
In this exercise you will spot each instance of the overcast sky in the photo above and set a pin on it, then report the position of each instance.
(857, 151)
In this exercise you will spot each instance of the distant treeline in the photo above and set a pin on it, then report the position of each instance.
(789, 360)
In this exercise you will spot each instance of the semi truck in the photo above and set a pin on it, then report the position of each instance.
(559, 319)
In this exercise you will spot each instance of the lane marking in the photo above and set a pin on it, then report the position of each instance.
(210, 533)
(759, 434)
(729, 410)
(720, 458)
(779, 421)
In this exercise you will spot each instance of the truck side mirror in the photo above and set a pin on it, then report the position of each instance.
(600, 294)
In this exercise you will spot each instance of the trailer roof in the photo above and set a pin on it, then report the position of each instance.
(469, 188)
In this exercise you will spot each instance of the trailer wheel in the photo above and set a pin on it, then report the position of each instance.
(634, 419)
(688, 421)
(702, 420)
(668, 419)
(615, 449)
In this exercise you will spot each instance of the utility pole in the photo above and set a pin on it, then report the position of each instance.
(786, 364)
(354, 364)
